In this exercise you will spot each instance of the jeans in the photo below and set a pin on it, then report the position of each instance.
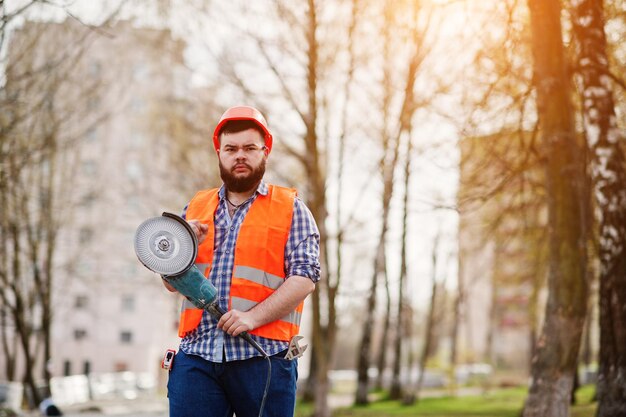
(199, 388)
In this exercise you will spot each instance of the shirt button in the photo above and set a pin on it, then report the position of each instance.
(227, 251)
(232, 228)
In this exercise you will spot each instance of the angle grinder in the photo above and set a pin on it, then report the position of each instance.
(168, 246)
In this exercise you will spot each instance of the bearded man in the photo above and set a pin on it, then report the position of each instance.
(259, 246)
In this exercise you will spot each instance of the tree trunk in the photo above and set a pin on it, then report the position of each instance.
(395, 391)
(430, 323)
(454, 333)
(324, 339)
(366, 335)
(388, 166)
(381, 362)
(605, 140)
(555, 360)
(489, 353)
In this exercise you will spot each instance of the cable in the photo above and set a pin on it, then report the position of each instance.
(267, 385)
(254, 344)
(258, 347)
(216, 311)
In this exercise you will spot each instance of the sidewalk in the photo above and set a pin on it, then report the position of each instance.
(158, 406)
(155, 407)
(143, 407)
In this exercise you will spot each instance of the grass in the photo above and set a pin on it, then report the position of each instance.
(497, 403)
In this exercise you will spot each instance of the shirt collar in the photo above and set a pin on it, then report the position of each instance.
(262, 189)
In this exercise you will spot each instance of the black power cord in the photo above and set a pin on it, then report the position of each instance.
(267, 385)
(258, 347)
(216, 311)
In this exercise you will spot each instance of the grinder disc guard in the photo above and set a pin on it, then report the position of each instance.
(166, 244)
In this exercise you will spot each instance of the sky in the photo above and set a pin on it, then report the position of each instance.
(435, 176)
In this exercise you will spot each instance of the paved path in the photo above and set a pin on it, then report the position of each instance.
(158, 407)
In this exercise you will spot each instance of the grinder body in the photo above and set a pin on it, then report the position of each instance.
(193, 285)
(168, 246)
(199, 291)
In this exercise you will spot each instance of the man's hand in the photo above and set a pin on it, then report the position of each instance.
(280, 303)
(168, 286)
(199, 229)
(234, 322)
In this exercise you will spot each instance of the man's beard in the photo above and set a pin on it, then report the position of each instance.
(242, 184)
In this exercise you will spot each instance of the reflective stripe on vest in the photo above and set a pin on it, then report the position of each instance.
(259, 256)
(264, 279)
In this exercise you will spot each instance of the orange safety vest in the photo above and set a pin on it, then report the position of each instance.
(259, 264)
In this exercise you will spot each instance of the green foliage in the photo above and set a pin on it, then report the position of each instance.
(498, 403)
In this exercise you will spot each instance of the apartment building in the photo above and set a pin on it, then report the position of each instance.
(118, 90)
(502, 249)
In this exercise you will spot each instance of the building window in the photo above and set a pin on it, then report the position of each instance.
(89, 168)
(137, 105)
(81, 302)
(131, 269)
(91, 135)
(95, 69)
(133, 202)
(80, 334)
(133, 170)
(84, 267)
(126, 337)
(137, 140)
(128, 303)
(85, 234)
(67, 368)
(140, 72)
(88, 199)
(93, 103)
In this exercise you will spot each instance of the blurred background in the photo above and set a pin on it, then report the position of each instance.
(463, 160)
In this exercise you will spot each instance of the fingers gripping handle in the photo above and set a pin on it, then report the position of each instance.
(202, 294)
(216, 311)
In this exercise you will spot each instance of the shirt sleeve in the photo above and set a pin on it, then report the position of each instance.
(302, 252)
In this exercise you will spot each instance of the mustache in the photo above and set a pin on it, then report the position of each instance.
(239, 183)
(242, 164)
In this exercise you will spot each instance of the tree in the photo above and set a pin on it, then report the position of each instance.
(295, 48)
(43, 117)
(608, 172)
(411, 397)
(387, 166)
(501, 191)
(396, 389)
(393, 131)
(554, 363)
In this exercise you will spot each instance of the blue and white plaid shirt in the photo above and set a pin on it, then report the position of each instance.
(301, 258)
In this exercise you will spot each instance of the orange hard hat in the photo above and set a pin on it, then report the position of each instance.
(243, 113)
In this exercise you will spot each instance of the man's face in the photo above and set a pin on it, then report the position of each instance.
(242, 157)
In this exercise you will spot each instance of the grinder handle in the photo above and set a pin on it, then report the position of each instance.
(217, 312)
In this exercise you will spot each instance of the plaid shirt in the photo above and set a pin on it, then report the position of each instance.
(301, 258)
